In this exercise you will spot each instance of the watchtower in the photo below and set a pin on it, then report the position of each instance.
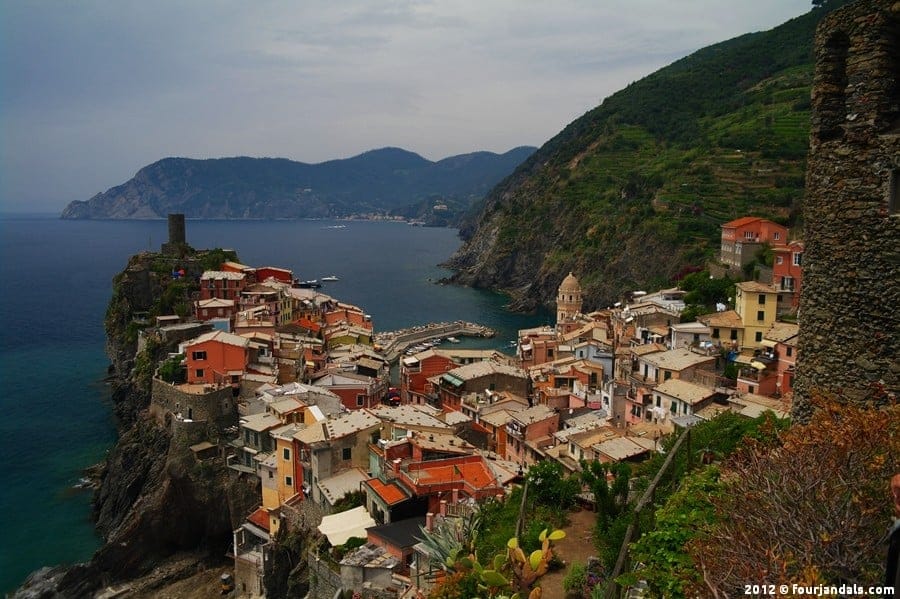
(177, 238)
(850, 308)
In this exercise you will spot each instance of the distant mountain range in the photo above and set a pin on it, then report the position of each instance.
(384, 181)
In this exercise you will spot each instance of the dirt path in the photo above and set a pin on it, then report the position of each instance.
(578, 546)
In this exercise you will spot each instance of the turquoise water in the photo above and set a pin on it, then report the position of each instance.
(56, 278)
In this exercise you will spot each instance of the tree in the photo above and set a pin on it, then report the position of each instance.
(548, 485)
(809, 510)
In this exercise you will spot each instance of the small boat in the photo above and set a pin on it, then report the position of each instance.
(310, 284)
(330, 278)
(452, 339)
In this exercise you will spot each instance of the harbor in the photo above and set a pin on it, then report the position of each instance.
(394, 343)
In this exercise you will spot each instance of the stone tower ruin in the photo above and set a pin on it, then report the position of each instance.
(850, 307)
(177, 237)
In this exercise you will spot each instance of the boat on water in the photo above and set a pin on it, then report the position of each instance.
(452, 339)
(330, 278)
(310, 284)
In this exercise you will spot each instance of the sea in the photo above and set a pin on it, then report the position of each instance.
(56, 277)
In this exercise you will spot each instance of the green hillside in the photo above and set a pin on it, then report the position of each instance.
(635, 190)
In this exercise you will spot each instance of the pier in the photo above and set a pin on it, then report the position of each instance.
(394, 343)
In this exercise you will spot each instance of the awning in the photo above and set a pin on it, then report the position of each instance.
(758, 365)
(352, 523)
(768, 343)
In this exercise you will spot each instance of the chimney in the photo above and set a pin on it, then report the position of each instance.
(455, 496)
(429, 522)
(396, 467)
(443, 507)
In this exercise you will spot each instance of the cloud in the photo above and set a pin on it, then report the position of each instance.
(91, 91)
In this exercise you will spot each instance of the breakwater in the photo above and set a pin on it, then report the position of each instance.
(393, 343)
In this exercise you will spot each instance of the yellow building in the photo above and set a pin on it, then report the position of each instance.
(756, 304)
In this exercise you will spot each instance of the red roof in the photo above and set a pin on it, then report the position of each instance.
(744, 220)
(476, 474)
(390, 493)
(309, 325)
(261, 518)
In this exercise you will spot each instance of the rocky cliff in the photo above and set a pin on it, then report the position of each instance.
(634, 191)
(380, 181)
(155, 504)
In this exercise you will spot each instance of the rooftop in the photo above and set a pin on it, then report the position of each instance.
(678, 359)
(222, 274)
(477, 370)
(534, 414)
(400, 534)
(727, 319)
(335, 487)
(622, 448)
(783, 332)
(756, 287)
(350, 423)
(391, 493)
(220, 337)
(443, 443)
(689, 393)
(260, 422)
(407, 415)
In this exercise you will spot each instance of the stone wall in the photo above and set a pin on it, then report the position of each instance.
(324, 583)
(850, 306)
(216, 407)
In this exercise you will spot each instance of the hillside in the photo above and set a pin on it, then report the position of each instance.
(635, 190)
(385, 180)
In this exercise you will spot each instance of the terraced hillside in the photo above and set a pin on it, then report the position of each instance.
(634, 191)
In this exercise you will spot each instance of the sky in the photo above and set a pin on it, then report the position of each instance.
(91, 91)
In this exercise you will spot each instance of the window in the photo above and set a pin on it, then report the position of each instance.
(674, 407)
(346, 453)
(271, 474)
(667, 375)
(288, 481)
(787, 283)
(761, 315)
(798, 258)
(748, 234)
(286, 453)
(360, 400)
(779, 259)
(199, 373)
(751, 389)
(758, 336)
(658, 401)
(549, 352)
(715, 333)
(198, 355)
(790, 350)
(733, 334)
(776, 235)
(762, 299)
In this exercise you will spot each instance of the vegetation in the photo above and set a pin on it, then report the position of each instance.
(349, 501)
(807, 509)
(637, 188)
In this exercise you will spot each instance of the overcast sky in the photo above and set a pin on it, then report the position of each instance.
(92, 91)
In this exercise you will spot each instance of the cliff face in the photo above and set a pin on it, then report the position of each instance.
(635, 190)
(155, 501)
(384, 180)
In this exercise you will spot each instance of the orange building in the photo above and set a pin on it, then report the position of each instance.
(742, 238)
(217, 358)
(787, 273)
(222, 284)
(415, 371)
